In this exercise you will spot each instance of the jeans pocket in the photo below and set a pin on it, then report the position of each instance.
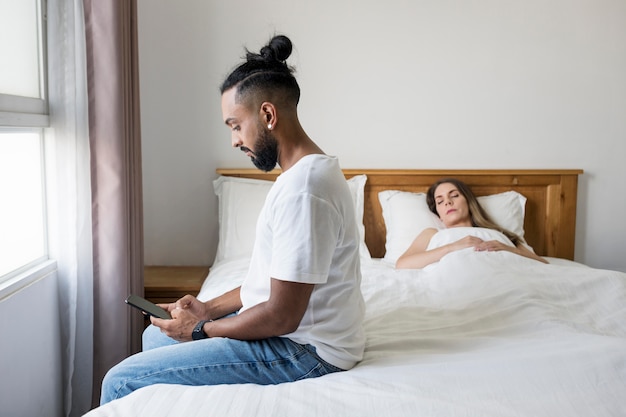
(327, 368)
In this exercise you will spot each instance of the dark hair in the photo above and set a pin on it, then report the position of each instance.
(478, 215)
(265, 73)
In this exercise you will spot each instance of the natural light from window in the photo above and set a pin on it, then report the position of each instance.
(19, 75)
(22, 234)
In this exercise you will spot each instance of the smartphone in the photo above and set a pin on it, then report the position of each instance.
(147, 307)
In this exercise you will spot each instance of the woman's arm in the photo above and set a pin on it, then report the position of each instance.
(520, 249)
(416, 256)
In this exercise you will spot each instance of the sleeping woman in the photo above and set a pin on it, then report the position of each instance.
(457, 207)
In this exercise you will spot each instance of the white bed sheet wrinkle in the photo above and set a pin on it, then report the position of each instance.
(478, 334)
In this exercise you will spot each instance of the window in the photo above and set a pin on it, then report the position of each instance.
(23, 116)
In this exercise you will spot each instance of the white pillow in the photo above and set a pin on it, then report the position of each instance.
(357, 189)
(241, 201)
(507, 210)
(406, 215)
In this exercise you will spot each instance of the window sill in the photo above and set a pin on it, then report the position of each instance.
(16, 283)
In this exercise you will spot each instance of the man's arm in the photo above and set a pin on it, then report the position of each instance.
(226, 303)
(279, 315)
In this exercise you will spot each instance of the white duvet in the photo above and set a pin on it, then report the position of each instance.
(478, 334)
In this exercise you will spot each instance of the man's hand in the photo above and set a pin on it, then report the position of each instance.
(191, 303)
(186, 313)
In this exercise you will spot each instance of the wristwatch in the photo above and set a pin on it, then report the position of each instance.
(198, 332)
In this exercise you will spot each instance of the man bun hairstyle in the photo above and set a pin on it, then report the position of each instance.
(278, 49)
(265, 73)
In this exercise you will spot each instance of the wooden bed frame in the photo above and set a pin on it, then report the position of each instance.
(550, 221)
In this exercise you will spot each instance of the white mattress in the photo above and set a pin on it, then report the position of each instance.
(478, 334)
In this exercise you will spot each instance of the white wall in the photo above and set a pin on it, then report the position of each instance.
(392, 84)
(30, 351)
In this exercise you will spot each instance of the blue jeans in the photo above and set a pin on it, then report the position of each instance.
(211, 362)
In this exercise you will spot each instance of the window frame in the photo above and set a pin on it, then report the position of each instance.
(22, 111)
(19, 114)
(18, 111)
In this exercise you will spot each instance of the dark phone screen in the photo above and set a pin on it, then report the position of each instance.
(147, 307)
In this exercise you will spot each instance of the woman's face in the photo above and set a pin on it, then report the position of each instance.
(452, 206)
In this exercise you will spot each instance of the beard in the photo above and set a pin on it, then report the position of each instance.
(266, 156)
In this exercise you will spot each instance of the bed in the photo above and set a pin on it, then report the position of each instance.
(477, 334)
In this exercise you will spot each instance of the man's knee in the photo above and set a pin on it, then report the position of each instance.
(112, 384)
(124, 378)
(153, 338)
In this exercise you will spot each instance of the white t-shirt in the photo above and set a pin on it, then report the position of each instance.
(307, 232)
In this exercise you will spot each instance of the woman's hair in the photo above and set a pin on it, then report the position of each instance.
(478, 215)
(265, 74)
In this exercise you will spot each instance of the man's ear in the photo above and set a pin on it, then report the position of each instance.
(268, 115)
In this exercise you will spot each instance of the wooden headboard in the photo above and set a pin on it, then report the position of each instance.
(550, 222)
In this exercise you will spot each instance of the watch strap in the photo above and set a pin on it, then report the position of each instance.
(198, 331)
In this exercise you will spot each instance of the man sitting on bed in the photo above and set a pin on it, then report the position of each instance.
(299, 311)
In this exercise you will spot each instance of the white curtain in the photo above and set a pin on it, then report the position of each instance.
(69, 193)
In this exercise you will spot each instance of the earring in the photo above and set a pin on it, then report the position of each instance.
(269, 126)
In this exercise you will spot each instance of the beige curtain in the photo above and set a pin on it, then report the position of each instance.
(115, 141)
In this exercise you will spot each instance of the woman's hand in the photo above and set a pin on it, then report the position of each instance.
(467, 242)
(418, 257)
(493, 246)
(520, 249)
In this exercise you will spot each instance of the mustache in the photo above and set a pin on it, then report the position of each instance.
(246, 149)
